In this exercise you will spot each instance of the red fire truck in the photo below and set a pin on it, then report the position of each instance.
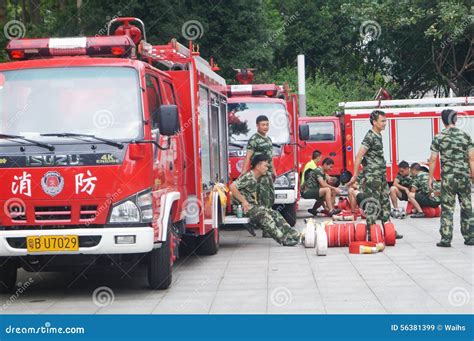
(110, 152)
(247, 101)
(411, 126)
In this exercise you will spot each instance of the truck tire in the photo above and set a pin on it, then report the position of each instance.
(8, 275)
(160, 264)
(208, 244)
(187, 246)
(289, 213)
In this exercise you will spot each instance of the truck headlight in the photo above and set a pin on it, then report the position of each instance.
(136, 209)
(286, 180)
(126, 212)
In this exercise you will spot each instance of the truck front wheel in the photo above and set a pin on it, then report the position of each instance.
(8, 275)
(160, 264)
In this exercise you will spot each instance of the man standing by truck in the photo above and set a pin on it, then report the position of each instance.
(244, 190)
(377, 204)
(457, 161)
(261, 144)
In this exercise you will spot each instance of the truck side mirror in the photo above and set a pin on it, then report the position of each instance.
(168, 120)
(304, 132)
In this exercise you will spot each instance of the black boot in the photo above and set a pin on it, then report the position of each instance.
(249, 227)
(443, 243)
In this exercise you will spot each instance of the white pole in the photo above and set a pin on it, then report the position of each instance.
(301, 85)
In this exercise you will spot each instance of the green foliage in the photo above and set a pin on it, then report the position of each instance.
(323, 95)
(420, 45)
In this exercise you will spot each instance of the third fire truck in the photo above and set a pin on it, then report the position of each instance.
(411, 126)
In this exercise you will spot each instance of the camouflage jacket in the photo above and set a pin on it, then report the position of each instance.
(405, 181)
(259, 144)
(313, 179)
(420, 183)
(376, 166)
(247, 186)
(454, 145)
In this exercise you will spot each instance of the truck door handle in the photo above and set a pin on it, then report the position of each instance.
(332, 154)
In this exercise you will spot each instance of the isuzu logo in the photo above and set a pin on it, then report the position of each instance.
(52, 183)
(238, 153)
(53, 160)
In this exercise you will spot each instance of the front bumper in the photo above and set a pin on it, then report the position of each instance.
(144, 239)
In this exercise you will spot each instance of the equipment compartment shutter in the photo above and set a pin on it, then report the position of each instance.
(414, 138)
(361, 127)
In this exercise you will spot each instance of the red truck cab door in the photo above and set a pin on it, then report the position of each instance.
(325, 136)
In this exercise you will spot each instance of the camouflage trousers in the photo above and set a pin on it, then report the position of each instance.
(273, 223)
(266, 190)
(451, 186)
(376, 205)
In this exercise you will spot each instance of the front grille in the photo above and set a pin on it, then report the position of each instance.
(88, 212)
(53, 213)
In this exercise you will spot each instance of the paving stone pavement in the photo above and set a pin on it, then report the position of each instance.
(255, 275)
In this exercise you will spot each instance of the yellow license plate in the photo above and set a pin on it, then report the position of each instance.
(52, 243)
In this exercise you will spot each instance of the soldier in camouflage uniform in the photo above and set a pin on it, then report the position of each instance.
(400, 189)
(355, 193)
(317, 187)
(421, 195)
(244, 191)
(376, 205)
(457, 173)
(261, 144)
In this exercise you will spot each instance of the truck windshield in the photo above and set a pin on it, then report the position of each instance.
(242, 118)
(100, 101)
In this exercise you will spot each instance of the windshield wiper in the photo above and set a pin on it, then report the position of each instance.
(106, 141)
(48, 146)
(236, 145)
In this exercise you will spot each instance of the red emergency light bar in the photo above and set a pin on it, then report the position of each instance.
(269, 90)
(108, 46)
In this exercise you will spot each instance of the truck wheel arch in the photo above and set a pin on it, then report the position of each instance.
(171, 201)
